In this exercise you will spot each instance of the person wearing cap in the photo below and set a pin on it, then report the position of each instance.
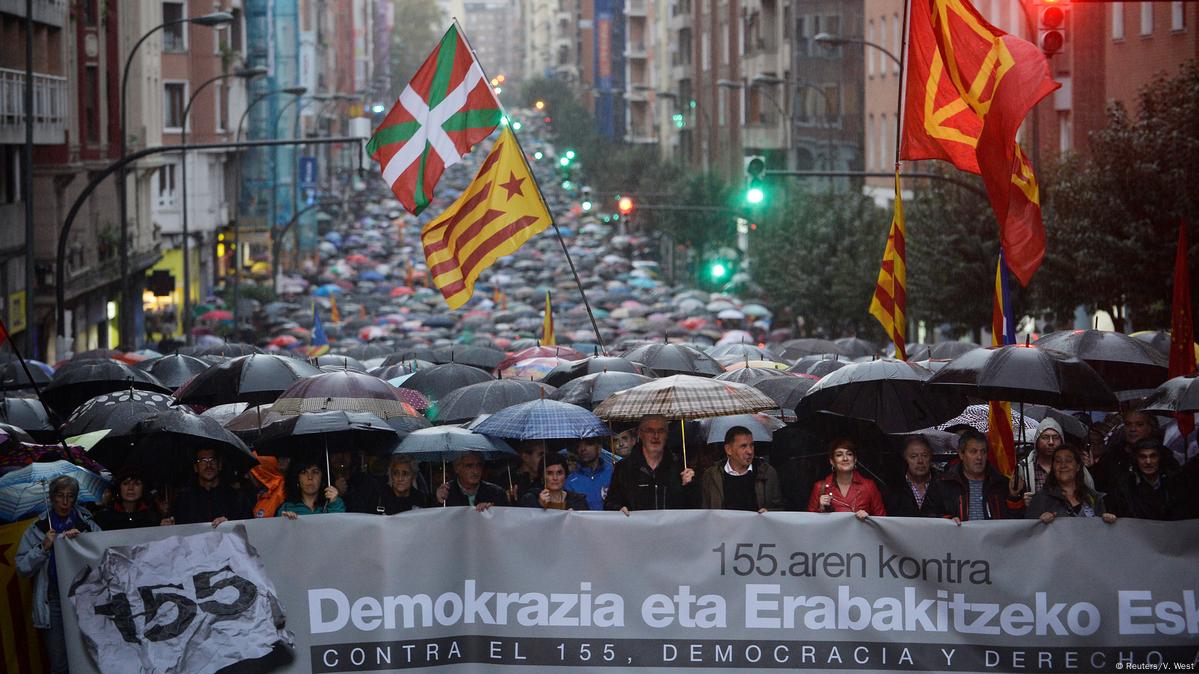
(1038, 465)
(130, 509)
(1146, 492)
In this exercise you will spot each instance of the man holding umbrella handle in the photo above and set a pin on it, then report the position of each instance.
(650, 469)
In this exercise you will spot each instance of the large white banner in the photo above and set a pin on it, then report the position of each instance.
(657, 590)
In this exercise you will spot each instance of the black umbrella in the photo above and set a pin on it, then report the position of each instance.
(403, 426)
(409, 355)
(477, 356)
(248, 424)
(1126, 364)
(13, 376)
(752, 375)
(366, 351)
(566, 372)
(29, 415)
(743, 351)
(1180, 394)
(437, 381)
(15, 433)
(786, 391)
(313, 432)
(798, 348)
(230, 350)
(174, 370)
(855, 347)
(590, 390)
(225, 413)
(75, 384)
(167, 444)
(119, 413)
(256, 379)
(886, 392)
(340, 362)
(672, 359)
(1025, 374)
(946, 350)
(818, 366)
(488, 397)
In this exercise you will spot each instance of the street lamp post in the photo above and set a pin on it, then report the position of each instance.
(834, 40)
(126, 315)
(294, 91)
(246, 74)
(272, 222)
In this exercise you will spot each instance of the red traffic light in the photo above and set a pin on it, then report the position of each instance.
(625, 205)
(1051, 24)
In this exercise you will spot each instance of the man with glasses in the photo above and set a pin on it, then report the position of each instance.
(35, 557)
(208, 498)
(650, 478)
(468, 488)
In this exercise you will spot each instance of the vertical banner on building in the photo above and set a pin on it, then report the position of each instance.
(662, 591)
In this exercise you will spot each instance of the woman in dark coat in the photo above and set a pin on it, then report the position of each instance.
(130, 509)
(1065, 493)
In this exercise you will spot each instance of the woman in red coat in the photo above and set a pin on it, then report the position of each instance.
(844, 490)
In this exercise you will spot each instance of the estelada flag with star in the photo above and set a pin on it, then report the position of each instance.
(444, 111)
(500, 210)
(969, 87)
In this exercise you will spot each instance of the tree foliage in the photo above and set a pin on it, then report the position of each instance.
(1112, 217)
(816, 255)
(419, 24)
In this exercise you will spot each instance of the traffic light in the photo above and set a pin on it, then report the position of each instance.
(564, 161)
(1051, 25)
(624, 205)
(586, 204)
(570, 154)
(718, 270)
(540, 105)
(754, 168)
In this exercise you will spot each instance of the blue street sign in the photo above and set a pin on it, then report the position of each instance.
(308, 172)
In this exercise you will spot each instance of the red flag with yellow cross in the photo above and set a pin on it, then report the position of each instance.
(969, 88)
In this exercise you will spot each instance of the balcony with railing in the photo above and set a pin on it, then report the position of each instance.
(49, 108)
(634, 8)
(634, 50)
(50, 12)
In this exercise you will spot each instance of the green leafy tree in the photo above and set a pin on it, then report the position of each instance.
(419, 24)
(1112, 217)
(816, 255)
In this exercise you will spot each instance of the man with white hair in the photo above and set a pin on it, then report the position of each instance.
(650, 478)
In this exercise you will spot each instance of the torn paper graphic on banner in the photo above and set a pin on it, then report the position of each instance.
(182, 604)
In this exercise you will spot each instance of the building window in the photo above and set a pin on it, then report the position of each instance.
(1064, 131)
(870, 165)
(1178, 17)
(174, 36)
(219, 107)
(10, 174)
(895, 43)
(175, 93)
(166, 186)
(91, 12)
(1117, 21)
(1146, 18)
(869, 52)
(884, 157)
(91, 104)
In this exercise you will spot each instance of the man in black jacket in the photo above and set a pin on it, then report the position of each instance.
(650, 479)
(468, 488)
(919, 495)
(209, 499)
(974, 490)
(1145, 492)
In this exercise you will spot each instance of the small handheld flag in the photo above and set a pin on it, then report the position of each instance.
(320, 341)
(999, 416)
(547, 325)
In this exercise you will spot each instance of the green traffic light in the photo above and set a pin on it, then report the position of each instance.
(755, 195)
(570, 154)
(586, 205)
(516, 126)
(567, 185)
(538, 155)
(564, 161)
(718, 270)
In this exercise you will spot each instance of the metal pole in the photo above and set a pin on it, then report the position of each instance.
(115, 167)
(27, 183)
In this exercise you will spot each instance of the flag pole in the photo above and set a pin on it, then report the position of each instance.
(62, 440)
(899, 96)
(540, 197)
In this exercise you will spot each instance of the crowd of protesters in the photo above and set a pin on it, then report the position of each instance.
(1131, 474)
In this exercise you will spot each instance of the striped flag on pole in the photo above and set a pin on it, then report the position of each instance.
(547, 324)
(444, 111)
(498, 212)
(890, 302)
(320, 341)
(1003, 332)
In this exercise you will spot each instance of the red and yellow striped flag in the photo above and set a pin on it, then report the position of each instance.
(20, 646)
(498, 212)
(890, 302)
(547, 324)
(999, 416)
(334, 314)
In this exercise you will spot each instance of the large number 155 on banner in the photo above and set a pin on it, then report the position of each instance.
(185, 603)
